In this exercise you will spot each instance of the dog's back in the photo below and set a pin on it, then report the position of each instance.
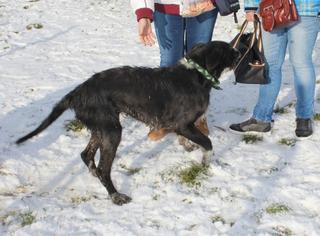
(155, 96)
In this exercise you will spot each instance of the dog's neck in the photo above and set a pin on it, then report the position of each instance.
(190, 64)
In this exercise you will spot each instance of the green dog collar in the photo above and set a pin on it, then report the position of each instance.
(204, 72)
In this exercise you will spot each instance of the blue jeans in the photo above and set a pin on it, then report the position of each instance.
(177, 35)
(300, 40)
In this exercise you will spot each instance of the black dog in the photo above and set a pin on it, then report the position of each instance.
(172, 98)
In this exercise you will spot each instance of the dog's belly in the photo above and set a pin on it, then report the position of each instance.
(168, 114)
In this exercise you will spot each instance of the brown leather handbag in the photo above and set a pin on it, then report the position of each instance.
(252, 67)
(278, 13)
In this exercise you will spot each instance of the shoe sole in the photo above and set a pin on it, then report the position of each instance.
(250, 132)
(304, 138)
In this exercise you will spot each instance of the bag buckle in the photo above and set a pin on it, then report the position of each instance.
(257, 64)
(268, 8)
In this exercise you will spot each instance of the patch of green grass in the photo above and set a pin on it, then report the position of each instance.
(280, 110)
(282, 230)
(288, 141)
(291, 104)
(191, 227)
(130, 171)
(277, 208)
(26, 218)
(74, 125)
(34, 26)
(317, 117)
(156, 197)
(4, 218)
(190, 175)
(270, 170)
(215, 219)
(77, 200)
(188, 201)
(251, 138)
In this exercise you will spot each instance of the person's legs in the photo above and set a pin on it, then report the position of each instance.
(301, 41)
(170, 34)
(170, 30)
(199, 29)
(275, 45)
(302, 38)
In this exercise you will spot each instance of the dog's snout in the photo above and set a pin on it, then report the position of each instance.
(237, 53)
(236, 57)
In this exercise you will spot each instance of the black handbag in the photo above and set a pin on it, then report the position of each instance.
(252, 67)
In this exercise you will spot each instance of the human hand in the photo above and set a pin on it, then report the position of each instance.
(145, 32)
(250, 16)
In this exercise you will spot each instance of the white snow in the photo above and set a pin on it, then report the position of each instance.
(46, 178)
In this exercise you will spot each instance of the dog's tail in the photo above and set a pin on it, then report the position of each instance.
(58, 109)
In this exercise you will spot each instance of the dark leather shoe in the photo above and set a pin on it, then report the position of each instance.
(303, 128)
(251, 125)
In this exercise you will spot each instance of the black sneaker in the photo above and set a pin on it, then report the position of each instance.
(303, 128)
(251, 126)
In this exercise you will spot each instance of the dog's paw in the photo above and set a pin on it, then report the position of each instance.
(93, 171)
(120, 198)
(188, 145)
(206, 159)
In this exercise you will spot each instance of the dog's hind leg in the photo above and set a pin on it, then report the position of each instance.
(110, 139)
(87, 155)
(192, 133)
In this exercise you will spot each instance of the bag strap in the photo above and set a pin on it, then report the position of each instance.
(243, 27)
(256, 24)
(258, 27)
(258, 36)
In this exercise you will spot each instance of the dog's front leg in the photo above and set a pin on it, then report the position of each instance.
(192, 133)
(110, 140)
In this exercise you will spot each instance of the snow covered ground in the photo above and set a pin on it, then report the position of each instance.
(49, 47)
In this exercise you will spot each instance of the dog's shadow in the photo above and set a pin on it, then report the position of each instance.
(24, 119)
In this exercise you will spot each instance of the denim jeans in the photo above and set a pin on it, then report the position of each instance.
(177, 35)
(300, 40)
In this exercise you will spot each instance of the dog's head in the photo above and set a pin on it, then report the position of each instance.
(215, 56)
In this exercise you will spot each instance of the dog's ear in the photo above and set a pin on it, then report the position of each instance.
(218, 56)
(197, 54)
(198, 46)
